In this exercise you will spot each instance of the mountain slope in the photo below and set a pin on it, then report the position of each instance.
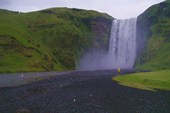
(153, 38)
(51, 39)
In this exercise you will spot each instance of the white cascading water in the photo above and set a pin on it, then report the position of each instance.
(122, 46)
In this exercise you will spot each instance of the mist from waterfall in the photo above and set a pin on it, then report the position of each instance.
(122, 48)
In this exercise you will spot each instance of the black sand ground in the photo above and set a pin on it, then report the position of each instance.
(82, 92)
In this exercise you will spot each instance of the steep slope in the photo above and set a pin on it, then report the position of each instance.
(153, 38)
(51, 39)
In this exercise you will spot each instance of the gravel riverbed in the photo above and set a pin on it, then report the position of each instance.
(82, 92)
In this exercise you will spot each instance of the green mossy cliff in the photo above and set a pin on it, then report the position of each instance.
(153, 38)
(51, 39)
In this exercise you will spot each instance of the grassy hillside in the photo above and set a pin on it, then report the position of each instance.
(51, 39)
(156, 53)
(146, 80)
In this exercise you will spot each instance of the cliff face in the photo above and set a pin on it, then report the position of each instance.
(51, 39)
(153, 38)
(101, 30)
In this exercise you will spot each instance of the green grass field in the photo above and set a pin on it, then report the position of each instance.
(47, 40)
(146, 80)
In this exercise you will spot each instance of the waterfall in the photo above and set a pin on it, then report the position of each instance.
(122, 46)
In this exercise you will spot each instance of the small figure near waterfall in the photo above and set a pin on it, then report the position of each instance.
(118, 70)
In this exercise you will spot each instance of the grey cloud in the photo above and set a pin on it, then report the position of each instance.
(4, 3)
(116, 8)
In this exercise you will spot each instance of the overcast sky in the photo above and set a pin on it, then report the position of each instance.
(117, 8)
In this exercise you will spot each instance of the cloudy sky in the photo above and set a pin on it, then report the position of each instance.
(117, 8)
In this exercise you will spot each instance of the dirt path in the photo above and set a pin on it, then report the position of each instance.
(17, 79)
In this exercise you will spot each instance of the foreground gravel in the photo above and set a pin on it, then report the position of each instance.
(82, 92)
